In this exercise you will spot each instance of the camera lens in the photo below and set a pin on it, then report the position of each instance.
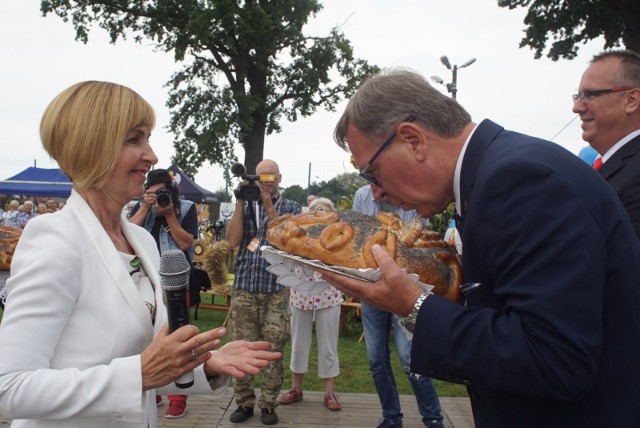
(163, 197)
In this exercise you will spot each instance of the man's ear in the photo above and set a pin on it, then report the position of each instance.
(633, 100)
(415, 137)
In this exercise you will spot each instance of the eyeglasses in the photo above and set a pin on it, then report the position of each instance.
(588, 95)
(363, 172)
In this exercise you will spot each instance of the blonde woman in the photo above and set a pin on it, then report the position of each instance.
(84, 334)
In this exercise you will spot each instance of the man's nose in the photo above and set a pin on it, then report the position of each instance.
(377, 191)
(579, 107)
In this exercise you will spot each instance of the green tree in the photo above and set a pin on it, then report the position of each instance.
(295, 193)
(574, 22)
(223, 195)
(246, 66)
(339, 190)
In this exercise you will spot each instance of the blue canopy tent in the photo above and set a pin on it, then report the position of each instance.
(37, 182)
(190, 190)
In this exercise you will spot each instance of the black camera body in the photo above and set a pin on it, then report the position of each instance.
(250, 191)
(163, 197)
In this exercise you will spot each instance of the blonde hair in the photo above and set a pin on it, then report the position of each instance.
(85, 126)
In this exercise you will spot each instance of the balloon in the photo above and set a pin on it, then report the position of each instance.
(588, 154)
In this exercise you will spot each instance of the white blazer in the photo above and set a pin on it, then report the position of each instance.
(75, 324)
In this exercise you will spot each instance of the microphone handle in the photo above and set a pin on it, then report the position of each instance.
(185, 381)
(178, 314)
(177, 307)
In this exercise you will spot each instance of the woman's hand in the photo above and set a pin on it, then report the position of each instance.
(239, 358)
(170, 356)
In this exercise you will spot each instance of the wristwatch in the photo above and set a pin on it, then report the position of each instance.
(409, 322)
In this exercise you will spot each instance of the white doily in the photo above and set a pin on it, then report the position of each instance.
(294, 271)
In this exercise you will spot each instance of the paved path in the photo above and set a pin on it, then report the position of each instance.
(358, 411)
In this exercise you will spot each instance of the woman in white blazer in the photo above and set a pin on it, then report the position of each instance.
(84, 335)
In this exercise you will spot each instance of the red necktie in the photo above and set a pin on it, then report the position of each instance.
(597, 164)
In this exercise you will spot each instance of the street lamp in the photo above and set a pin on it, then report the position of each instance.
(451, 87)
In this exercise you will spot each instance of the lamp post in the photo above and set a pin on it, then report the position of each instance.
(451, 87)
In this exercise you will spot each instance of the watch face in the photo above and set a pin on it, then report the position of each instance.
(408, 323)
(198, 249)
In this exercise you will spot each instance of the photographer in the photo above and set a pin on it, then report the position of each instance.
(259, 306)
(173, 223)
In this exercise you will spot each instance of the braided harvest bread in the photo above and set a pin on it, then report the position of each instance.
(345, 238)
(9, 237)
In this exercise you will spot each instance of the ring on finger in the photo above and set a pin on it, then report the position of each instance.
(193, 355)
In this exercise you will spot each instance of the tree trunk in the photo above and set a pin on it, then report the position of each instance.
(254, 145)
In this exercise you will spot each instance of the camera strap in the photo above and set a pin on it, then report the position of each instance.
(256, 213)
(253, 214)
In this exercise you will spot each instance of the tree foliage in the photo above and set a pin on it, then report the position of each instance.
(246, 66)
(340, 190)
(568, 23)
(295, 193)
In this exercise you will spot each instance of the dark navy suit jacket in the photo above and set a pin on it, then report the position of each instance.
(622, 172)
(551, 337)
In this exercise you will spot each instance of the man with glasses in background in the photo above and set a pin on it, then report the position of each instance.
(551, 264)
(609, 107)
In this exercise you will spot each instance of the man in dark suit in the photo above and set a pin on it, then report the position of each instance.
(548, 334)
(608, 103)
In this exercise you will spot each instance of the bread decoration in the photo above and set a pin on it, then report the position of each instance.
(345, 238)
(9, 237)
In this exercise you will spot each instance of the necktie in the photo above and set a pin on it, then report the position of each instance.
(597, 164)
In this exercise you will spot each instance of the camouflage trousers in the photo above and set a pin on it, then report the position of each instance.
(260, 316)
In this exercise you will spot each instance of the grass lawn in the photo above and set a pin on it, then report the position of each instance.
(354, 376)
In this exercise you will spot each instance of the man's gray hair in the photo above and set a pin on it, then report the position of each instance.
(628, 73)
(391, 96)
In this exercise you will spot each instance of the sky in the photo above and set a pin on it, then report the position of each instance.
(40, 58)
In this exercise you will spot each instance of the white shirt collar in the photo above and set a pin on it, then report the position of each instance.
(617, 146)
(456, 175)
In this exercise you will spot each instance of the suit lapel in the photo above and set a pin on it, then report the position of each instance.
(615, 162)
(482, 137)
(149, 267)
(112, 260)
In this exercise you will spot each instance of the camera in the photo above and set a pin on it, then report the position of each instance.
(218, 226)
(248, 192)
(163, 197)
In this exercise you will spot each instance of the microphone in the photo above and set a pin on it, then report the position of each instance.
(174, 279)
(238, 170)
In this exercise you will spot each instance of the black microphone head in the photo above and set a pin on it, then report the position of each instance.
(238, 170)
(174, 269)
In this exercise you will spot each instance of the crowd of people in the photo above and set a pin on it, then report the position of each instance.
(551, 268)
(17, 215)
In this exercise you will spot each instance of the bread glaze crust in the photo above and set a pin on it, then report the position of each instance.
(345, 238)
